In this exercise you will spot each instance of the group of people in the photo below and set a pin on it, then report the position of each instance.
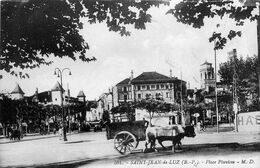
(14, 133)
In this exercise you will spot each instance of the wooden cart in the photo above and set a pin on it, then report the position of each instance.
(126, 135)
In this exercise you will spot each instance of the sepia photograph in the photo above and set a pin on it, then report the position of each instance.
(130, 84)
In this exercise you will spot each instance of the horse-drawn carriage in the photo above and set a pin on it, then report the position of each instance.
(127, 135)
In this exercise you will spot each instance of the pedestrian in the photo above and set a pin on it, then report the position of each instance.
(198, 126)
(60, 132)
(202, 128)
(54, 131)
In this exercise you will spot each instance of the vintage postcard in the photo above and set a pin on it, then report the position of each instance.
(130, 83)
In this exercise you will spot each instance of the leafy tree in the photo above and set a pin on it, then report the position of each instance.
(34, 30)
(7, 111)
(125, 108)
(246, 70)
(195, 12)
(155, 106)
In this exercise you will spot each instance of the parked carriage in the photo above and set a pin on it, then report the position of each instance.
(126, 135)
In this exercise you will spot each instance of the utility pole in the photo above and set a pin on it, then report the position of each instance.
(68, 103)
(235, 97)
(258, 42)
(216, 89)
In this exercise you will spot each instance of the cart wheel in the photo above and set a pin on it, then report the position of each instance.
(125, 142)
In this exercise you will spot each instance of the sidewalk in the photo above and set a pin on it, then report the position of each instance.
(28, 137)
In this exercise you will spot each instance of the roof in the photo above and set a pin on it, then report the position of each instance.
(152, 77)
(17, 89)
(124, 82)
(206, 63)
(57, 87)
(81, 94)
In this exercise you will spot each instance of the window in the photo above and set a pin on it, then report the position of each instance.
(125, 98)
(167, 87)
(148, 87)
(162, 86)
(170, 85)
(157, 87)
(152, 87)
(138, 87)
(125, 89)
(173, 120)
(139, 96)
(167, 94)
(143, 87)
(147, 96)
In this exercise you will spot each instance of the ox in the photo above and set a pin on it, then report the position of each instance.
(172, 133)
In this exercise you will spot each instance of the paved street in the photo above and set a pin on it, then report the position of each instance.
(92, 148)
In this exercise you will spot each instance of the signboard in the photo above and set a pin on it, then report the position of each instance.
(249, 122)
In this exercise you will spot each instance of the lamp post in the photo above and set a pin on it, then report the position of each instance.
(59, 72)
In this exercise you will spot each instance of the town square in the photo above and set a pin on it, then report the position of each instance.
(134, 83)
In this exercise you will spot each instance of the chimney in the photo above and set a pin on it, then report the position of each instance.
(170, 73)
(132, 75)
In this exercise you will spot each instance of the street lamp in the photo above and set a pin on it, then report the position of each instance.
(59, 73)
(216, 89)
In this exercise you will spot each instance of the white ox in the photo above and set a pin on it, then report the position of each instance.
(172, 133)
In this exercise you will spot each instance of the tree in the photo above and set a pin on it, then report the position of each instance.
(126, 108)
(7, 112)
(155, 106)
(34, 30)
(195, 12)
(246, 70)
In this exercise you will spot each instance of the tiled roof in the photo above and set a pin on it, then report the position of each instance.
(81, 94)
(17, 89)
(57, 87)
(124, 82)
(152, 77)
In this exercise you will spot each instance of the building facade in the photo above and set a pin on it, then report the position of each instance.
(149, 85)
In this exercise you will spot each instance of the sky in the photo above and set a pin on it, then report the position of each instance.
(164, 45)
